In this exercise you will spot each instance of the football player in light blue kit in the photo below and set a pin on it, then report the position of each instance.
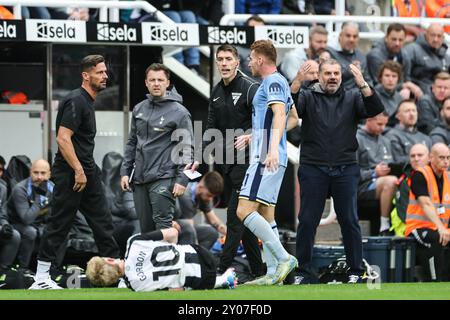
(259, 192)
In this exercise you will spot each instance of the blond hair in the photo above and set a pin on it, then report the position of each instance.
(102, 274)
(265, 48)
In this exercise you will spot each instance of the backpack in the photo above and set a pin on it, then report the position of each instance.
(12, 279)
(337, 272)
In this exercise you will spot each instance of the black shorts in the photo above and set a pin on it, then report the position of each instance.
(208, 268)
(364, 193)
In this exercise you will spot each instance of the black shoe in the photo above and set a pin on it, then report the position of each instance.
(387, 233)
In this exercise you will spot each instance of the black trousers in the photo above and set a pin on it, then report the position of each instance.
(430, 255)
(316, 183)
(91, 202)
(236, 229)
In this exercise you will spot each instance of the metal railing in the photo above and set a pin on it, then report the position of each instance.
(373, 22)
(103, 6)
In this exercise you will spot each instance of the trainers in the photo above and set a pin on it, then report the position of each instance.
(284, 268)
(266, 280)
(230, 279)
(47, 284)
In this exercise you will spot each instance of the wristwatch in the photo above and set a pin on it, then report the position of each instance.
(365, 85)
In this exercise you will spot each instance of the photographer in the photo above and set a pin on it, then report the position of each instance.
(28, 207)
(9, 238)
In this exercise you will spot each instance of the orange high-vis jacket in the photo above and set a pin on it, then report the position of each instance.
(402, 10)
(438, 9)
(5, 14)
(415, 216)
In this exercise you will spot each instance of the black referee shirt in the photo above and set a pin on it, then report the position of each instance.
(230, 107)
(76, 112)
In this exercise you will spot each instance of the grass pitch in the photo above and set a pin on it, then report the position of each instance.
(387, 291)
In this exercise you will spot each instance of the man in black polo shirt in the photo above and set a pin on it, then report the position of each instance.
(76, 176)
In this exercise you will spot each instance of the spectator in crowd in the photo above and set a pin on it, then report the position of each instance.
(292, 60)
(257, 6)
(322, 7)
(430, 105)
(442, 132)
(244, 51)
(9, 238)
(199, 195)
(193, 268)
(324, 56)
(428, 55)
(428, 212)
(2, 169)
(389, 48)
(390, 75)
(306, 74)
(35, 13)
(392, 48)
(438, 9)
(409, 9)
(158, 175)
(76, 176)
(224, 114)
(374, 156)
(348, 53)
(73, 13)
(28, 209)
(330, 115)
(418, 157)
(405, 134)
(206, 12)
(5, 14)
(175, 10)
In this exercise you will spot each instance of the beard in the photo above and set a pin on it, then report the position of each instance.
(97, 87)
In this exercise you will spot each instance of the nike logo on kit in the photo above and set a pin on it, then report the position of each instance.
(215, 99)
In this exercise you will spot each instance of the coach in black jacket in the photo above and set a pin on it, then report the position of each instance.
(328, 163)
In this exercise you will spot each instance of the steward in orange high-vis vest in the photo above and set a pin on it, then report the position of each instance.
(415, 216)
(428, 214)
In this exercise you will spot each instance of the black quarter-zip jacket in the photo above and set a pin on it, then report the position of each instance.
(150, 143)
(230, 107)
(329, 124)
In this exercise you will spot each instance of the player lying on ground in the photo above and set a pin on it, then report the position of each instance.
(154, 261)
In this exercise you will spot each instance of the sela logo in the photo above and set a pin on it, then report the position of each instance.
(283, 37)
(233, 36)
(8, 30)
(106, 32)
(55, 30)
(48, 31)
(168, 33)
(184, 34)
